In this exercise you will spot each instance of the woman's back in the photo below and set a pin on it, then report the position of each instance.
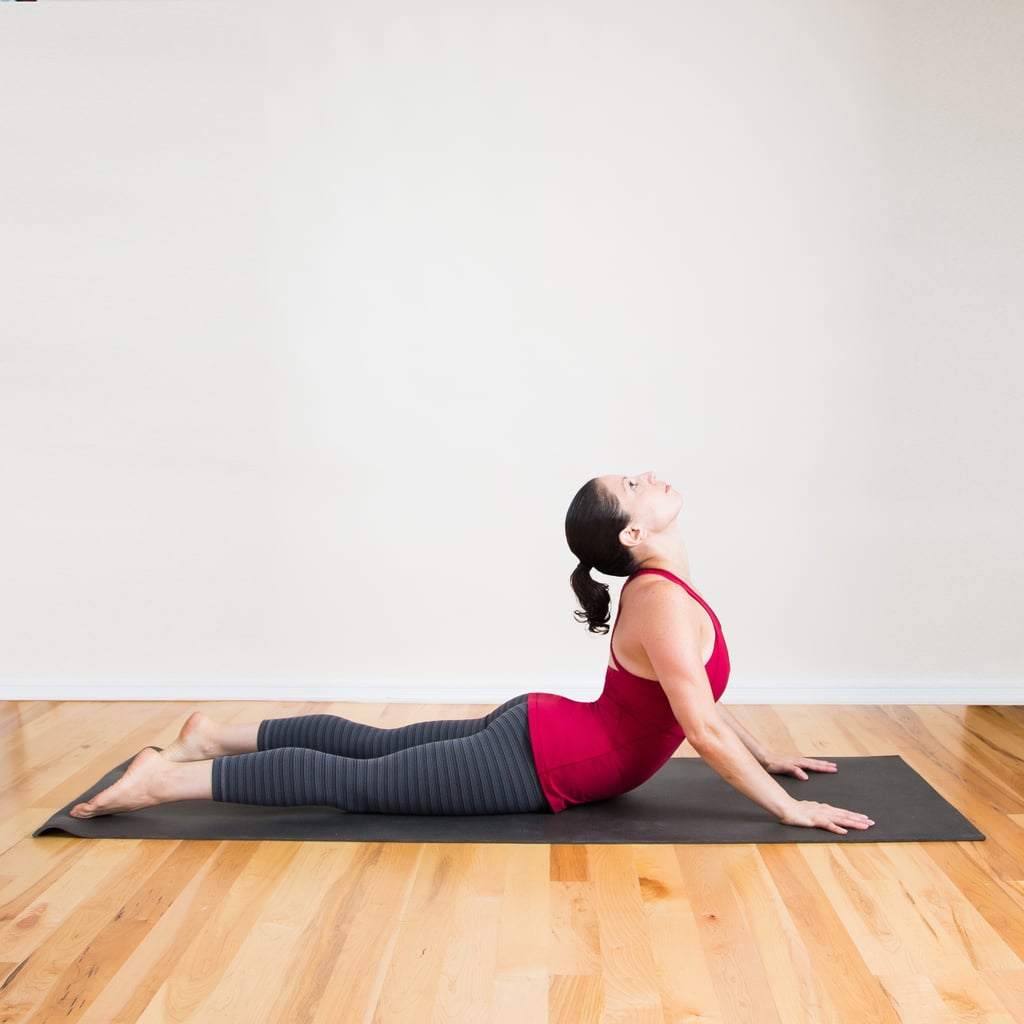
(592, 751)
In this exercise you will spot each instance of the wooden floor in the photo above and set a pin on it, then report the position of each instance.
(125, 930)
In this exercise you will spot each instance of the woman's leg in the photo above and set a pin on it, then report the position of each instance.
(335, 735)
(202, 738)
(489, 771)
(478, 766)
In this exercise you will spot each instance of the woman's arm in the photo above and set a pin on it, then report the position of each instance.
(776, 764)
(670, 634)
(748, 740)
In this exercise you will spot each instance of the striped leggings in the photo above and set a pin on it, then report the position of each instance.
(477, 766)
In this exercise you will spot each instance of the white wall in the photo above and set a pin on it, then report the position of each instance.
(315, 316)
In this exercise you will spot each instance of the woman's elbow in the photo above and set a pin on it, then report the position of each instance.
(705, 737)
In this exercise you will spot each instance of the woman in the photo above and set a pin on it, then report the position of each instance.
(538, 752)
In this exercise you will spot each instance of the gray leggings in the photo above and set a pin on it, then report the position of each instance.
(477, 766)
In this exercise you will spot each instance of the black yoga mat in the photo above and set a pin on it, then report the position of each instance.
(685, 802)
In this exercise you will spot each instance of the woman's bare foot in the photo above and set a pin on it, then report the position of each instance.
(202, 739)
(131, 792)
(150, 779)
(195, 742)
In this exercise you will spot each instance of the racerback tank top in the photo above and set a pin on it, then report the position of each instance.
(586, 751)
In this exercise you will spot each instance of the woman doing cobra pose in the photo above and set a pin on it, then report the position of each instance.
(668, 666)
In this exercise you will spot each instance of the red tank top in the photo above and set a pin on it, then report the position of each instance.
(593, 751)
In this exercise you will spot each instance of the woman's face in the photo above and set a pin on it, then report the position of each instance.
(648, 501)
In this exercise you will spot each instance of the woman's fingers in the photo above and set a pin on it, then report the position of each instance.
(852, 819)
(798, 766)
(810, 814)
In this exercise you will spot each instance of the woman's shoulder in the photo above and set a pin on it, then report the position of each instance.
(659, 625)
(653, 594)
(649, 582)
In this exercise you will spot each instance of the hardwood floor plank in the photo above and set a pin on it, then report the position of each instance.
(247, 874)
(972, 998)
(17, 715)
(333, 906)
(683, 976)
(521, 966)
(184, 894)
(570, 864)
(917, 1000)
(730, 950)
(66, 921)
(250, 974)
(50, 749)
(1009, 988)
(321, 943)
(997, 726)
(84, 981)
(294, 944)
(855, 898)
(574, 946)
(627, 964)
(32, 866)
(832, 731)
(995, 899)
(1001, 770)
(957, 927)
(838, 963)
(575, 999)
(469, 965)
(958, 995)
(410, 991)
(33, 916)
(355, 984)
(797, 991)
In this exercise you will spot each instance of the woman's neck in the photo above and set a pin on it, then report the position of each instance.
(672, 557)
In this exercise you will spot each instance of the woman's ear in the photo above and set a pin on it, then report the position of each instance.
(632, 535)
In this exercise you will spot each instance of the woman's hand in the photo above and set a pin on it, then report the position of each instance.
(808, 814)
(794, 764)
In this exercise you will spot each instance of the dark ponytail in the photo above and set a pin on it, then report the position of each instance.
(592, 527)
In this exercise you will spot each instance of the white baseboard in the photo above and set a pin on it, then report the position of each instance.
(741, 691)
(876, 691)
